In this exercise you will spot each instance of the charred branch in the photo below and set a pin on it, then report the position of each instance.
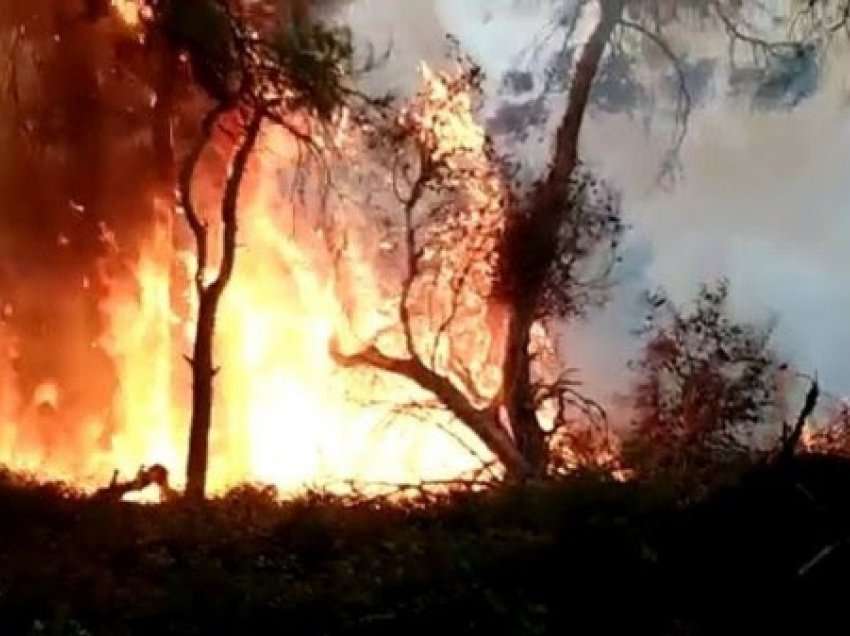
(156, 475)
(483, 422)
(209, 295)
(789, 446)
(197, 225)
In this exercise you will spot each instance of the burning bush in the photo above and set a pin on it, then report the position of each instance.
(705, 386)
(487, 266)
(831, 437)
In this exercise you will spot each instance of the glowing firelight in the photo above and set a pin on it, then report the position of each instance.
(284, 414)
(128, 11)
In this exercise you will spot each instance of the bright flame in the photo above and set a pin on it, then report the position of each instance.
(140, 341)
(284, 414)
(128, 11)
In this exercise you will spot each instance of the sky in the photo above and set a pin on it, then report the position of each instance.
(762, 197)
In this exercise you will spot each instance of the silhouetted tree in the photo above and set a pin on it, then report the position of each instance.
(526, 256)
(254, 66)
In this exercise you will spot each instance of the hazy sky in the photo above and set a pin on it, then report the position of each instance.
(763, 198)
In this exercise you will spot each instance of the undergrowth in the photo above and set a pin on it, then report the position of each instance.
(582, 555)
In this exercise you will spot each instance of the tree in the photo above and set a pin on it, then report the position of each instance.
(271, 70)
(705, 383)
(77, 109)
(253, 67)
(525, 257)
(548, 235)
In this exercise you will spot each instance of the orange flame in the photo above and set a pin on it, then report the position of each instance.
(284, 414)
(128, 11)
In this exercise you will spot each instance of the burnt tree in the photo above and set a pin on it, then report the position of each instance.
(532, 251)
(254, 67)
(705, 384)
(542, 248)
(209, 292)
(534, 261)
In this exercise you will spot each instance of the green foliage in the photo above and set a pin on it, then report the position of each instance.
(237, 57)
(317, 60)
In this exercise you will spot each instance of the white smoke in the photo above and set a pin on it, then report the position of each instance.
(762, 197)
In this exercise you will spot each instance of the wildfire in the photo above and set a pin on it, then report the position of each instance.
(284, 414)
(128, 11)
(289, 417)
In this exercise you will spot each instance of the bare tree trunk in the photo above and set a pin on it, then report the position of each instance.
(203, 375)
(517, 399)
(531, 439)
(209, 294)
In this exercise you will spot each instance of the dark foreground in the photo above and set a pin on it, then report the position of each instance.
(585, 556)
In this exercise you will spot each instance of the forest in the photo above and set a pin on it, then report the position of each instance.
(397, 316)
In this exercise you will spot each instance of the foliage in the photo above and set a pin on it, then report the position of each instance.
(465, 563)
(318, 60)
(530, 560)
(704, 383)
(204, 30)
(589, 238)
(616, 89)
(235, 54)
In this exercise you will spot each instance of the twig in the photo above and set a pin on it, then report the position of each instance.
(685, 101)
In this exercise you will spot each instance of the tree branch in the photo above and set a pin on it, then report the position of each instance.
(483, 422)
(685, 101)
(185, 181)
(790, 444)
(230, 200)
(735, 33)
(411, 253)
(566, 149)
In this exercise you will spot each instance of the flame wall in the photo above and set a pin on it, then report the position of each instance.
(96, 309)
